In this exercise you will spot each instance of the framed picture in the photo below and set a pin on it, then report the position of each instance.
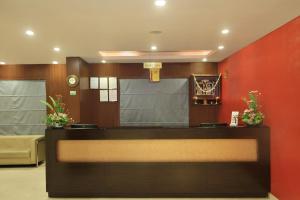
(103, 95)
(94, 83)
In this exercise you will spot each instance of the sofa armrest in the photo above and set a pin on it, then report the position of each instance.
(40, 150)
(36, 149)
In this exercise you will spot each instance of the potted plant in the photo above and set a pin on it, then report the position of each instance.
(58, 117)
(252, 116)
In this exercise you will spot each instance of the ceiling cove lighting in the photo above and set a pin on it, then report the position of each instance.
(204, 60)
(54, 62)
(221, 47)
(119, 53)
(160, 3)
(153, 48)
(195, 53)
(137, 56)
(29, 33)
(57, 49)
(225, 31)
(2, 63)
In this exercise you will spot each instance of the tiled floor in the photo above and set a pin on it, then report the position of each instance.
(28, 183)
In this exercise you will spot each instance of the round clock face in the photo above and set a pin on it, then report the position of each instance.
(72, 80)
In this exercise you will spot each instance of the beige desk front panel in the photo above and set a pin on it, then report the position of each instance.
(154, 150)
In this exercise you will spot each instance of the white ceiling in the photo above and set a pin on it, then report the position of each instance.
(85, 27)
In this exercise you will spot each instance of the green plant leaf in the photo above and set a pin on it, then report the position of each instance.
(47, 104)
(53, 102)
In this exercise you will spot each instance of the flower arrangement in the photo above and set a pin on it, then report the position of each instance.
(252, 115)
(58, 116)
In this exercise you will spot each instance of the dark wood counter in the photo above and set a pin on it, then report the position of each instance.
(158, 179)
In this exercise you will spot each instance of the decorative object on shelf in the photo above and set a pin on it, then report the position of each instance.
(58, 117)
(72, 80)
(207, 89)
(252, 115)
(154, 69)
(234, 119)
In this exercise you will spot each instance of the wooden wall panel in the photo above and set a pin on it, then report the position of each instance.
(24, 72)
(56, 81)
(133, 70)
(108, 115)
(85, 107)
(73, 68)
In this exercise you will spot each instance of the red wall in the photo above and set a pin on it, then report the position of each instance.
(272, 66)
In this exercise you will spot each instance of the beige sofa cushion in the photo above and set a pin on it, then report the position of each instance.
(14, 154)
(16, 149)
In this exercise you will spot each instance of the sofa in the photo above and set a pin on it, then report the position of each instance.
(22, 150)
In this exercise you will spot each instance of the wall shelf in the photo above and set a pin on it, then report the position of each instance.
(206, 89)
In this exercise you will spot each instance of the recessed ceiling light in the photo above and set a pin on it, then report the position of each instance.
(225, 31)
(57, 49)
(103, 61)
(204, 59)
(2, 63)
(29, 33)
(160, 3)
(220, 47)
(54, 62)
(153, 48)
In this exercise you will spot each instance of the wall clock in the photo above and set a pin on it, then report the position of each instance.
(72, 80)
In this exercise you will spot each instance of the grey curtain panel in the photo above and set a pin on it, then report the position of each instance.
(21, 112)
(143, 103)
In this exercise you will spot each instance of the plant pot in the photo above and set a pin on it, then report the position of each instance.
(254, 125)
(57, 125)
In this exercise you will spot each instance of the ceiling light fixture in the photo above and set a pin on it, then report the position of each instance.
(2, 63)
(57, 49)
(54, 62)
(103, 61)
(160, 3)
(29, 33)
(153, 48)
(204, 59)
(225, 31)
(221, 47)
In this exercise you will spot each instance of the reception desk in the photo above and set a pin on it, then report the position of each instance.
(158, 162)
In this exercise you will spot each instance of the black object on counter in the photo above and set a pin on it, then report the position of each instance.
(84, 126)
(213, 124)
